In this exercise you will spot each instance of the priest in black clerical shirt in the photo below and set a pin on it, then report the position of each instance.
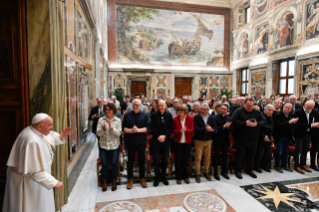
(247, 122)
(162, 128)
(221, 141)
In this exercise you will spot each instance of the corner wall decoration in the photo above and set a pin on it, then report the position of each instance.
(203, 81)
(312, 21)
(224, 81)
(161, 34)
(214, 81)
(160, 81)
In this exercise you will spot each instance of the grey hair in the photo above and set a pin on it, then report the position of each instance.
(269, 105)
(309, 101)
(140, 101)
(204, 104)
(197, 103)
(292, 96)
(288, 104)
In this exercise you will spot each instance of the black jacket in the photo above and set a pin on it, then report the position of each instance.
(159, 127)
(266, 130)
(200, 132)
(140, 120)
(95, 111)
(315, 131)
(261, 107)
(282, 128)
(222, 134)
(243, 134)
(302, 125)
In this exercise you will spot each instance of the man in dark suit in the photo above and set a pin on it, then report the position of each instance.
(263, 155)
(302, 134)
(221, 141)
(283, 122)
(162, 128)
(262, 104)
(314, 141)
(185, 101)
(96, 113)
(204, 127)
(247, 122)
(292, 101)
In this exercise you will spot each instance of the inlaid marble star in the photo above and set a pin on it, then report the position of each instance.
(277, 196)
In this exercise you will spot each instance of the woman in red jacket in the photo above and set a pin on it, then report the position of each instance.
(183, 130)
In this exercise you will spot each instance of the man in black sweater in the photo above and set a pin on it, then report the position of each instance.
(283, 122)
(221, 141)
(314, 141)
(135, 126)
(204, 127)
(302, 134)
(247, 122)
(263, 156)
(162, 128)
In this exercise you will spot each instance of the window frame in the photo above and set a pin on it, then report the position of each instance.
(287, 77)
(246, 14)
(244, 81)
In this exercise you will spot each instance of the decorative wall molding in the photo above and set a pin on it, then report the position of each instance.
(217, 3)
(87, 10)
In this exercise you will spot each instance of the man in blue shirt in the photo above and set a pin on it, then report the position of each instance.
(135, 126)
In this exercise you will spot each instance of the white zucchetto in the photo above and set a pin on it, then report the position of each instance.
(39, 117)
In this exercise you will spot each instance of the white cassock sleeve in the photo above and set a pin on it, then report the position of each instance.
(44, 178)
(57, 139)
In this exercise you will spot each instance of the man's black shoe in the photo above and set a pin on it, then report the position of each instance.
(165, 182)
(252, 174)
(238, 175)
(266, 169)
(224, 174)
(258, 170)
(156, 183)
(216, 176)
(315, 168)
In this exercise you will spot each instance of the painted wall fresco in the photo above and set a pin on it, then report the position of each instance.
(274, 78)
(161, 85)
(258, 82)
(166, 37)
(83, 37)
(210, 86)
(243, 46)
(261, 7)
(261, 39)
(285, 30)
(70, 25)
(308, 79)
(312, 24)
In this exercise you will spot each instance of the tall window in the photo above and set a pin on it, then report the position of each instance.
(244, 82)
(286, 77)
(247, 12)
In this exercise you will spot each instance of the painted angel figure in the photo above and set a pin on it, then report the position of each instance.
(313, 20)
(259, 45)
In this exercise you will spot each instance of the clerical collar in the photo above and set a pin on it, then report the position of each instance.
(223, 115)
(36, 131)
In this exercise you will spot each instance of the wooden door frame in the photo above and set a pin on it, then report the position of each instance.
(186, 77)
(146, 79)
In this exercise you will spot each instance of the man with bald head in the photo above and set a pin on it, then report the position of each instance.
(302, 134)
(162, 128)
(29, 180)
(135, 126)
(293, 102)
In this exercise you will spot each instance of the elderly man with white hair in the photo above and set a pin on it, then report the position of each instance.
(29, 180)
(302, 134)
(292, 101)
(116, 102)
(223, 99)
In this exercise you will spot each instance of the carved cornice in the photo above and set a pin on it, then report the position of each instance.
(87, 10)
(217, 3)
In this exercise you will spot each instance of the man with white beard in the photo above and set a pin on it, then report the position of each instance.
(29, 180)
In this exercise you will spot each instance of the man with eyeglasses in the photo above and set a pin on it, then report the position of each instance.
(247, 122)
(174, 110)
(204, 127)
(162, 128)
(135, 126)
(130, 107)
(96, 113)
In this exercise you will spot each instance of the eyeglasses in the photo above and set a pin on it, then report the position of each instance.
(175, 102)
(99, 102)
(203, 109)
(136, 105)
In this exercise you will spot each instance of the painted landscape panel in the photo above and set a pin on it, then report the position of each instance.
(168, 37)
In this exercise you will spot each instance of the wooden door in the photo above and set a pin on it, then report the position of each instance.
(138, 87)
(14, 99)
(183, 86)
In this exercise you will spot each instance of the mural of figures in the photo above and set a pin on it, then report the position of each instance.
(82, 37)
(261, 42)
(243, 46)
(69, 23)
(310, 72)
(261, 5)
(83, 102)
(312, 27)
(285, 34)
(167, 37)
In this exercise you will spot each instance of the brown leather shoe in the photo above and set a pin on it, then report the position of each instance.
(129, 184)
(143, 183)
(207, 176)
(186, 180)
(104, 187)
(178, 182)
(197, 178)
(114, 185)
(298, 169)
(304, 167)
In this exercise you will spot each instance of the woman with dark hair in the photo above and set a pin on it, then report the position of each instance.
(154, 108)
(109, 130)
(183, 130)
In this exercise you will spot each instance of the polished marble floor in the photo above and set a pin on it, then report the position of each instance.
(88, 197)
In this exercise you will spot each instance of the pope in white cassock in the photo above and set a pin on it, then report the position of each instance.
(29, 180)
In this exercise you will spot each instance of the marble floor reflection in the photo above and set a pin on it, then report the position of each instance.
(88, 197)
